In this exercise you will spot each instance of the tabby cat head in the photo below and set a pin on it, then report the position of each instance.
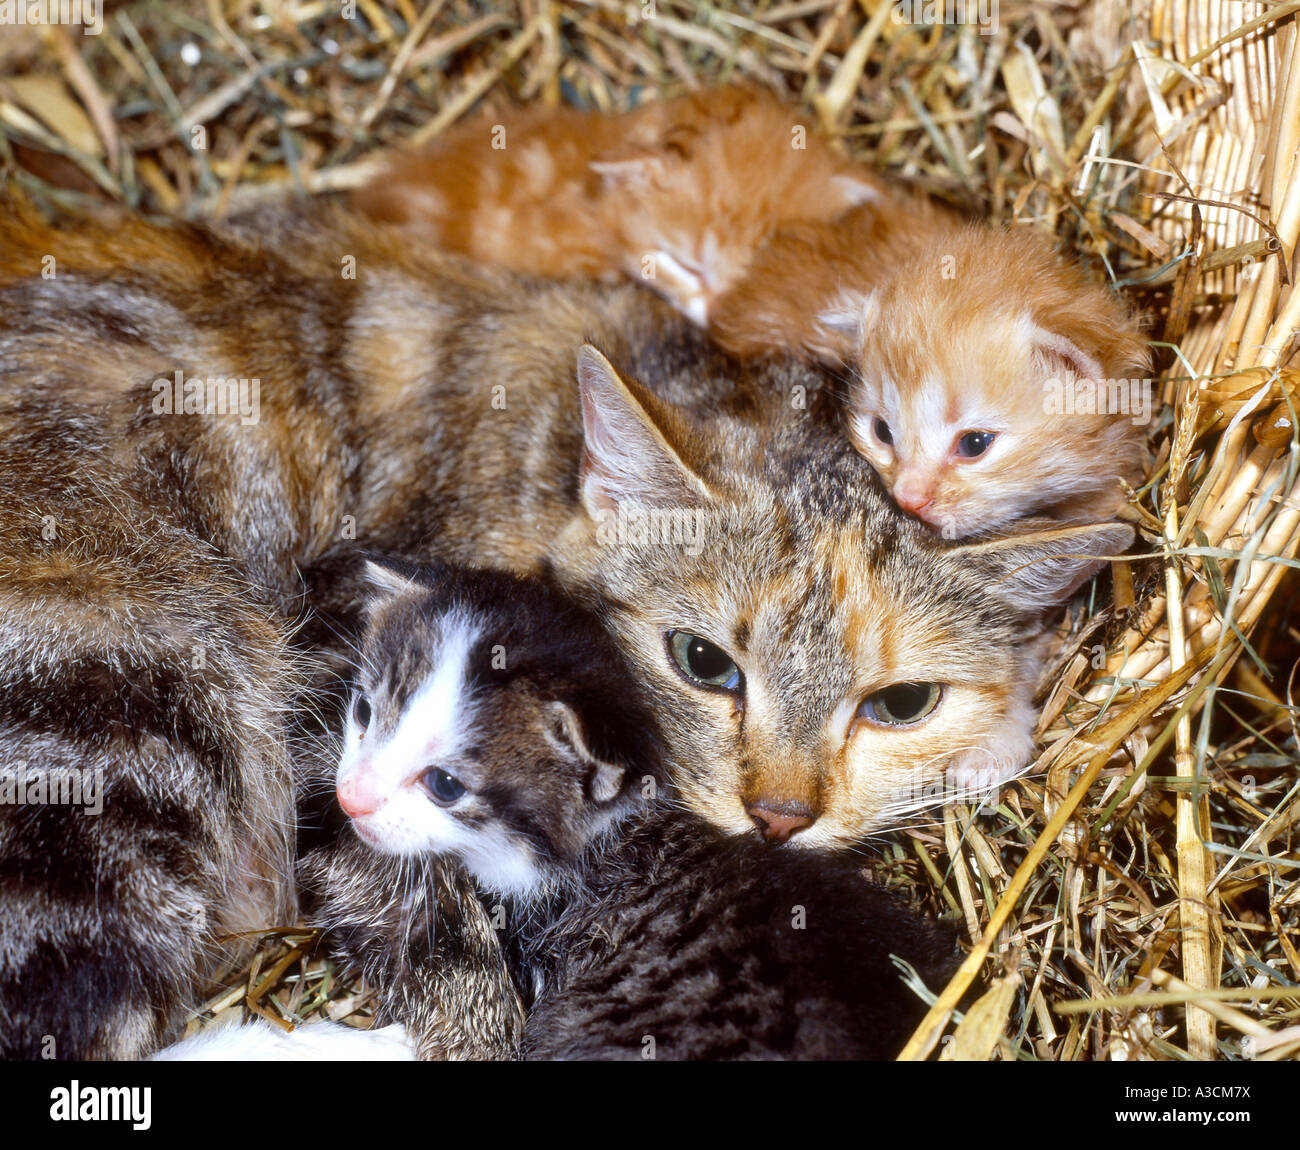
(818, 661)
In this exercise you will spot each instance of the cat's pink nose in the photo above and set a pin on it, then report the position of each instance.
(777, 821)
(356, 798)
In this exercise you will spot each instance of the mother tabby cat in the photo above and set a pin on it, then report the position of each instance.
(157, 562)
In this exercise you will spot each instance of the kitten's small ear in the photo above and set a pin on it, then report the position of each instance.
(853, 191)
(1054, 347)
(389, 576)
(604, 779)
(1035, 572)
(849, 311)
(628, 458)
(840, 324)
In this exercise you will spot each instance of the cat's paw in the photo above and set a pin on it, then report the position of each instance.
(313, 1042)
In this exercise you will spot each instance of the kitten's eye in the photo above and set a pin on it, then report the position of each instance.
(973, 444)
(881, 429)
(703, 662)
(443, 788)
(361, 712)
(901, 705)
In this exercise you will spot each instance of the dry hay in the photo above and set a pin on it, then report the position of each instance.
(1137, 896)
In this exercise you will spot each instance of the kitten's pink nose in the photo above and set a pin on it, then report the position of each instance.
(357, 798)
(776, 820)
(914, 493)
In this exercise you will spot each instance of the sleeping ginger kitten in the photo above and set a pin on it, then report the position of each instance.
(677, 194)
(979, 359)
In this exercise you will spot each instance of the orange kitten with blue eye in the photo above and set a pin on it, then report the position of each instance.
(992, 380)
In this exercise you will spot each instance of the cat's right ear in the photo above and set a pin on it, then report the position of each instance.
(1038, 571)
(1056, 353)
(628, 459)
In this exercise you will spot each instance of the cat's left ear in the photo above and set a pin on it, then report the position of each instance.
(849, 311)
(604, 779)
(628, 458)
(1042, 570)
(839, 325)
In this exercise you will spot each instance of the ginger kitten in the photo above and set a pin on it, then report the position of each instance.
(675, 194)
(992, 380)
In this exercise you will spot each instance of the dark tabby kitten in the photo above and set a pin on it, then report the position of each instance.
(200, 427)
(494, 723)
(685, 944)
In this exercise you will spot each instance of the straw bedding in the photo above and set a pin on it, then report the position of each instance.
(1138, 896)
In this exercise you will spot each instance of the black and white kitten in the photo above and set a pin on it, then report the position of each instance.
(494, 721)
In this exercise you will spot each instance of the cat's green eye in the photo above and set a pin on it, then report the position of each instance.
(900, 705)
(703, 662)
